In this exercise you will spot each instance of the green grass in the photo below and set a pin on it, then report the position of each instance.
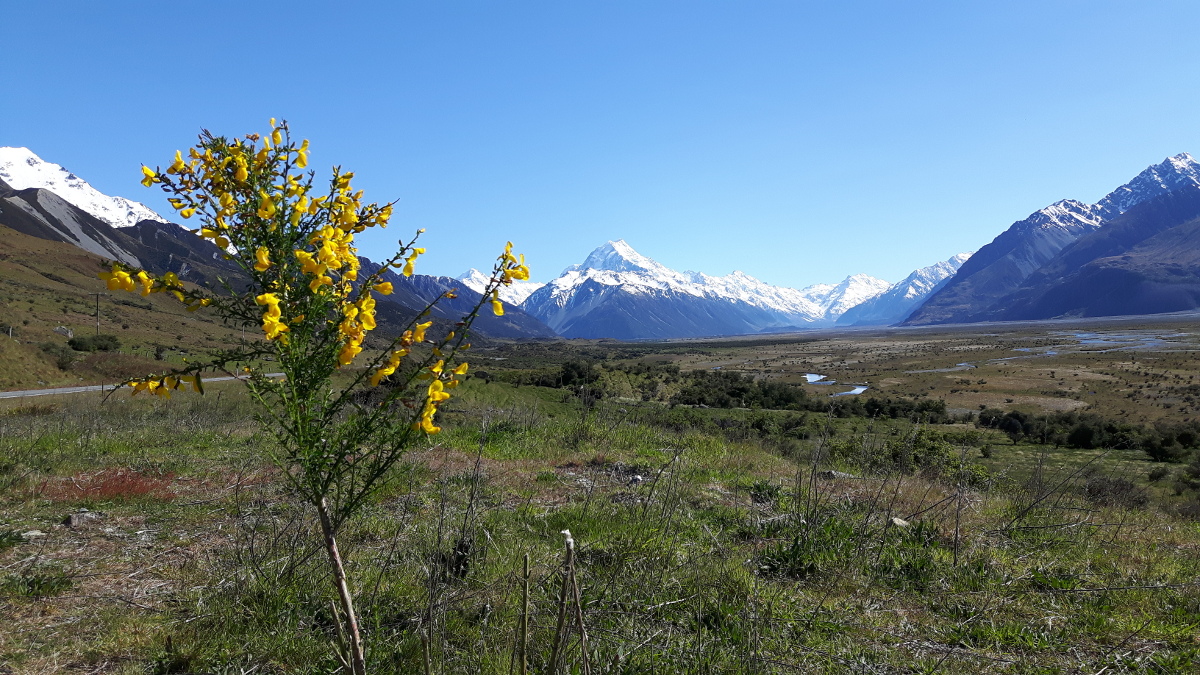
(706, 543)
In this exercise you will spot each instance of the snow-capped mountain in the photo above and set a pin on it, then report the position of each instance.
(1144, 261)
(160, 247)
(896, 303)
(1003, 265)
(21, 169)
(514, 294)
(617, 292)
(1171, 174)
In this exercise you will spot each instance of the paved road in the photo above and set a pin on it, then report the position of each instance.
(93, 387)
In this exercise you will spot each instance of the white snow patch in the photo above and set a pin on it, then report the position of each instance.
(21, 169)
(513, 294)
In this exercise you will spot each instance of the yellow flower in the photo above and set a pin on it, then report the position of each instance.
(308, 264)
(348, 352)
(392, 364)
(410, 261)
(437, 392)
(146, 282)
(193, 380)
(263, 262)
(149, 176)
(273, 325)
(178, 165)
(118, 279)
(266, 209)
(497, 306)
(274, 328)
(302, 155)
(461, 369)
(188, 213)
(270, 300)
(419, 331)
(384, 288)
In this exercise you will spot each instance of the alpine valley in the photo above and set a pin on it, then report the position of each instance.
(1136, 251)
(618, 293)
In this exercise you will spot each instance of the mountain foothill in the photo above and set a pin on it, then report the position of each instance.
(1136, 251)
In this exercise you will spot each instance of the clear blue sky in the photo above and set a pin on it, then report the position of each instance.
(796, 141)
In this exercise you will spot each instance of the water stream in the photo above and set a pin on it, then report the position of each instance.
(1083, 341)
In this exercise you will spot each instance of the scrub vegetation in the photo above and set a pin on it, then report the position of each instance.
(787, 532)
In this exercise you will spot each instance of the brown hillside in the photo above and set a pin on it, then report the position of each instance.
(46, 284)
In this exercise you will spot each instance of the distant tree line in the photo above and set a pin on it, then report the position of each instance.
(717, 389)
(1162, 441)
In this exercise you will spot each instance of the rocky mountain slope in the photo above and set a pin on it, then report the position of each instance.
(1145, 261)
(896, 303)
(21, 169)
(156, 246)
(1002, 266)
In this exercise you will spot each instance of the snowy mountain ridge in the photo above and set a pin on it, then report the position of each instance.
(616, 269)
(1003, 265)
(897, 302)
(514, 293)
(616, 263)
(21, 169)
(1173, 173)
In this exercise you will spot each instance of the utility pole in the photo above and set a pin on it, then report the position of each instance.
(97, 310)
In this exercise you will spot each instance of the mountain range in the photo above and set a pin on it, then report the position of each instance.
(113, 228)
(617, 292)
(1032, 249)
(1135, 251)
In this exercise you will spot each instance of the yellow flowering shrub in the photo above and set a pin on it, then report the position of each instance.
(294, 239)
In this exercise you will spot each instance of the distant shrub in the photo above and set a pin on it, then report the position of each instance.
(62, 355)
(728, 389)
(1163, 442)
(95, 343)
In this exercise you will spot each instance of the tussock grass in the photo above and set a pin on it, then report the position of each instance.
(710, 549)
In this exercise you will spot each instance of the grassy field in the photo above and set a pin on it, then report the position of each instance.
(142, 535)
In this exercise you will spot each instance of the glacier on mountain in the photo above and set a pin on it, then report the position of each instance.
(21, 169)
(616, 275)
(514, 294)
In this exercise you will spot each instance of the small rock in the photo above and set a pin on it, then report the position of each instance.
(81, 519)
(636, 479)
(33, 534)
(899, 522)
(835, 475)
